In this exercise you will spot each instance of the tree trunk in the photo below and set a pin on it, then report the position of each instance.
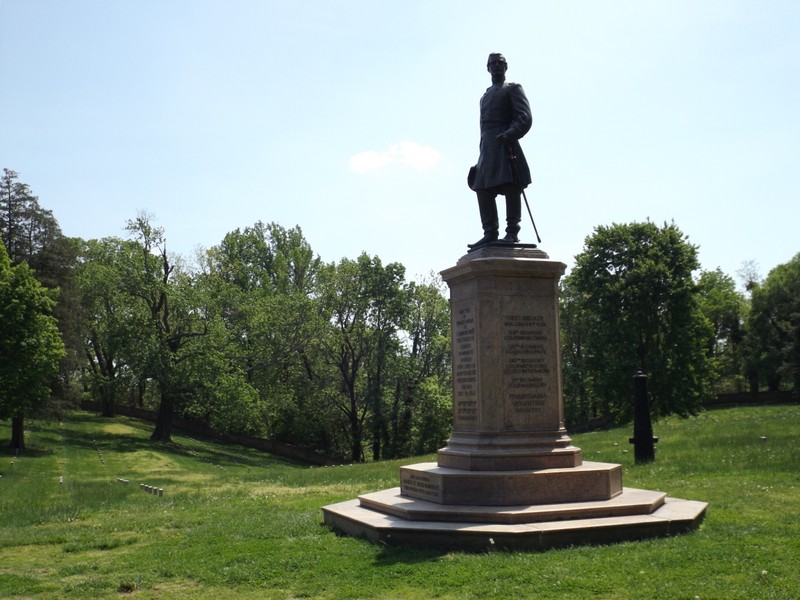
(378, 425)
(355, 434)
(163, 430)
(106, 401)
(140, 393)
(107, 406)
(18, 432)
(376, 432)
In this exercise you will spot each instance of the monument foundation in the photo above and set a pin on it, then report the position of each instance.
(509, 474)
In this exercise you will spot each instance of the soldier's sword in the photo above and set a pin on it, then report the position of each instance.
(513, 158)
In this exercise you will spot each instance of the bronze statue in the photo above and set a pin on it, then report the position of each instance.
(501, 168)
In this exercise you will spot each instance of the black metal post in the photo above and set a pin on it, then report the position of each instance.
(643, 439)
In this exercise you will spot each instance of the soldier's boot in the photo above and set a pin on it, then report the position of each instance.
(513, 218)
(489, 220)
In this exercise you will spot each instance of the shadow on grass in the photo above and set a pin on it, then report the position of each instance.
(83, 437)
(29, 452)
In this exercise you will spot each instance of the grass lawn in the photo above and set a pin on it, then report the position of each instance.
(235, 522)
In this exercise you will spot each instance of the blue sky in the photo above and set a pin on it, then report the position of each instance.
(358, 120)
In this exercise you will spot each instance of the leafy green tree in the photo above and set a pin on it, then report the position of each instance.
(384, 288)
(262, 281)
(30, 344)
(579, 404)
(105, 309)
(343, 356)
(32, 235)
(218, 390)
(265, 257)
(164, 333)
(724, 308)
(638, 301)
(420, 415)
(773, 329)
(346, 346)
(388, 354)
(27, 230)
(362, 300)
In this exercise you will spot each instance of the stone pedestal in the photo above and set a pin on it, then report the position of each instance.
(509, 462)
(507, 409)
(509, 445)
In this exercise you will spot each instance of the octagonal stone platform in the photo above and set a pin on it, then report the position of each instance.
(390, 518)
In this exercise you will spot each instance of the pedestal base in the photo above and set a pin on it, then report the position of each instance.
(390, 518)
(476, 451)
(587, 482)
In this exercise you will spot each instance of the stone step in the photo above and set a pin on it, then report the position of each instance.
(674, 516)
(629, 502)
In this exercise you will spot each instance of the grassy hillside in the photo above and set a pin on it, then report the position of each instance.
(235, 522)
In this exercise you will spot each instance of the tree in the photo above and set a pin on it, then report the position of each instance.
(343, 356)
(579, 404)
(32, 235)
(773, 329)
(266, 257)
(24, 226)
(723, 308)
(164, 334)
(384, 288)
(262, 282)
(420, 415)
(633, 285)
(362, 300)
(346, 345)
(106, 309)
(30, 344)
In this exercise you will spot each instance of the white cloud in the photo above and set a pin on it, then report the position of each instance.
(410, 154)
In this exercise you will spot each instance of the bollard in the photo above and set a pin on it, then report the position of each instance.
(160, 491)
(643, 438)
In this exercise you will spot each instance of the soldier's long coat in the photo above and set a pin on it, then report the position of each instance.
(504, 108)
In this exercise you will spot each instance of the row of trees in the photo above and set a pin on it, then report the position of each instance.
(265, 338)
(634, 302)
(261, 336)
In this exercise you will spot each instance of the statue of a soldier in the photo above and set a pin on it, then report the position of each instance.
(501, 168)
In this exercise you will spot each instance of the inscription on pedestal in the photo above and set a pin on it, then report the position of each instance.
(420, 485)
(526, 365)
(465, 367)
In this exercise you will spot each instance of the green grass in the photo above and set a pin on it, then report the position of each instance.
(235, 522)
